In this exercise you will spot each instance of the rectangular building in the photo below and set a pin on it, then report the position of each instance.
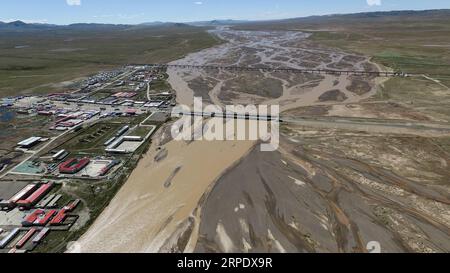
(22, 194)
(41, 235)
(25, 238)
(35, 196)
(60, 155)
(9, 238)
(74, 165)
(29, 142)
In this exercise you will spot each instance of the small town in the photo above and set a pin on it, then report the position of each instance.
(86, 136)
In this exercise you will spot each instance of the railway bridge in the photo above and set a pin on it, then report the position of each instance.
(226, 115)
(274, 69)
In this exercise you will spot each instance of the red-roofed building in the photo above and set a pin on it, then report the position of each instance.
(30, 219)
(131, 112)
(43, 221)
(73, 205)
(22, 194)
(25, 238)
(35, 196)
(59, 218)
(125, 94)
(74, 165)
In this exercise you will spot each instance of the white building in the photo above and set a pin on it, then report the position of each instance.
(29, 142)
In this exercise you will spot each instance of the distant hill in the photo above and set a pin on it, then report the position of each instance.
(156, 23)
(330, 21)
(218, 22)
(403, 13)
(199, 23)
(94, 27)
(17, 24)
(165, 24)
(159, 25)
(22, 27)
(355, 20)
(382, 15)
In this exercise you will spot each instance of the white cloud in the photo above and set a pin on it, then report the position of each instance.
(374, 2)
(73, 2)
(198, 3)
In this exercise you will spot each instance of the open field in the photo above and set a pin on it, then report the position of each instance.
(48, 61)
(91, 140)
(16, 128)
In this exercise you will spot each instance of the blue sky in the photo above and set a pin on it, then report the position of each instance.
(138, 11)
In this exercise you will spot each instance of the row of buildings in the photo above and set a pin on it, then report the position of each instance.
(35, 226)
(28, 196)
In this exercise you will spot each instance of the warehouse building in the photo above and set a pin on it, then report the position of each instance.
(22, 194)
(32, 218)
(41, 235)
(29, 142)
(9, 238)
(123, 130)
(126, 144)
(105, 170)
(111, 140)
(60, 155)
(25, 238)
(74, 165)
(34, 198)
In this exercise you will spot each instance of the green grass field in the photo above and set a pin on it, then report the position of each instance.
(160, 85)
(51, 57)
(423, 52)
(91, 140)
(141, 131)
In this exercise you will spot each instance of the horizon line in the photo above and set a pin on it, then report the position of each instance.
(210, 20)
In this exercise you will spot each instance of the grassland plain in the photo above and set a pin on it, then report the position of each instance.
(411, 42)
(43, 61)
(415, 42)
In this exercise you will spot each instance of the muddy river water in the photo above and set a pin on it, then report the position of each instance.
(269, 49)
